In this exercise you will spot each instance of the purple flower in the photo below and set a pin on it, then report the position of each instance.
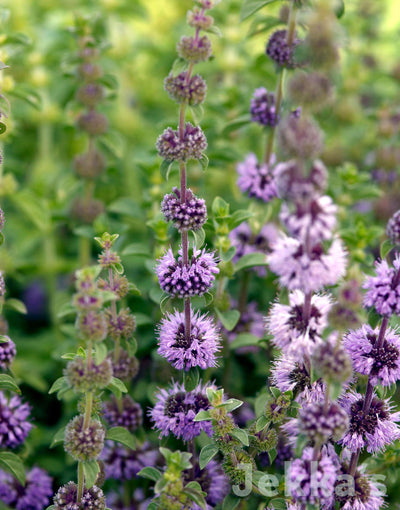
(383, 290)
(310, 271)
(263, 108)
(171, 146)
(190, 215)
(382, 364)
(393, 228)
(367, 494)
(7, 353)
(315, 220)
(320, 422)
(292, 185)
(296, 333)
(124, 413)
(279, 50)
(212, 480)
(196, 350)
(180, 280)
(374, 430)
(313, 481)
(245, 242)
(176, 409)
(14, 424)
(124, 463)
(66, 497)
(183, 90)
(35, 495)
(256, 179)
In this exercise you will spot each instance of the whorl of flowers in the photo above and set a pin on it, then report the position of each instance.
(14, 421)
(383, 290)
(34, 495)
(256, 179)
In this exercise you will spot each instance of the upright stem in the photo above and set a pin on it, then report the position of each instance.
(81, 480)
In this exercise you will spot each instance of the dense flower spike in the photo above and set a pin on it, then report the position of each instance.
(14, 424)
(393, 228)
(212, 480)
(320, 422)
(180, 280)
(311, 271)
(382, 363)
(124, 463)
(332, 361)
(383, 290)
(194, 49)
(126, 367)
(324, 468)
(256, 179)
(315, 220)
(90, 165)
(373, 430)
(176, 409)
(300, 137)
(263, 109)
(293, 186)
(183, 90)
(188, 215)
(297, 331)
(7, 353)
(66, 498)
(84, 444)
(279, 50)
(122, 326)
(124, 413)
(171, 147)
(311, 90)
(195, 350)
(34, 495)
(83, 378)
(366, 495)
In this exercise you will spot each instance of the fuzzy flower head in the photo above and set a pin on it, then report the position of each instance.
(126, 367)
(383, 290)
(182, 90)
(172, 147)
(393, 228)
(194, 49)
(300, 137)
(127, 413)
(294, 330)
(366, 494)
(14, 424)
(262, 108)
(66, 498)
(280, 51)
(313, 481)
(198, 349)
(188, 215)
(320, 423)
(180, 280)
(7, 353)
(84, 444)
(373, 430)
(381, 363)
(293, 186)
(176, 409)
(315, 220)
(256, 179)
(311, 271)
(35, 495)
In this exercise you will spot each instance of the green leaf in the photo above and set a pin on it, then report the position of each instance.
(261, 423)
(100, 352)
(230, 502)
(276, 392)
(229, 319)
(117, 387)
(259, 26)
(207, 453)
(8, 383)
(214, 30)
(235, 124)
(4, 339)
(272, 455)
(340, 8)
(250, 7)
(209, 298)
(150, 473)
(195, 495)
(35, 208)
(251, 260)
(13, 464)
(27, 94)
(179, 65)
(202, 416)
(16, 304)
(239, 217)
(165, 304)
(165, 168)
(278, 503)
(58, 384)
(121, 435)
(197, 113)
(125, 206)
(228, 255)
(241, 435)
(231, 404)
(220, 208)
(244, 340)
(192, 379)
(199, 237)
(58, 437)
(385, 248)
(137, 249)
(204, 161)
(90, 470)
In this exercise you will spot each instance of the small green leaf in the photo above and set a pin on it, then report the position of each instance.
(90, 470)
(235, 124)
(4, 339)
(179, 65)
(192, 379)
(230, 502)
(13, 464)
(121, 435)
(58, 437)
(204, 161)
(165, 169)
(231, 404)
(196, 496)
(60, 385)
(197, 113)
(340, 8)
(251, 260)
(272, 455)
(17, 305)
(276, 392)
(150, 473)
(259, 26)
(250, 7)
(117, 387)
(229, 319)
(206, 454)
(8, 383)
(385, 248)
(165, 304)
(137, 249)
(199, 237)
(100, 352)
(69, 355)
(209, 298)
(239, 217)
(241, 435)
(220, 208)
(214, 30)
(261, 423)
(278, 503)
(244, 340)
(202, 416)
(228, 255)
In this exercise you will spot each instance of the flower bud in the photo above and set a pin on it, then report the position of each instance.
(84, 444)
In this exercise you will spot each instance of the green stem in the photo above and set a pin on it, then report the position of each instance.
(81, 481)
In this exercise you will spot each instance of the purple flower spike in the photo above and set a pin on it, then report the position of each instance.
(381, 364)
(35, 495)
(309, 272)
(367, 494)
(375, 430)
(262, 109)
(292, 332)
(196, 351)
(256, 179)
(176, 409)
(14, 424)
(383, 290)
(180, 280)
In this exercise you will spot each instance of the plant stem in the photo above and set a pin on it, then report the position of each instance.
(81, 480)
